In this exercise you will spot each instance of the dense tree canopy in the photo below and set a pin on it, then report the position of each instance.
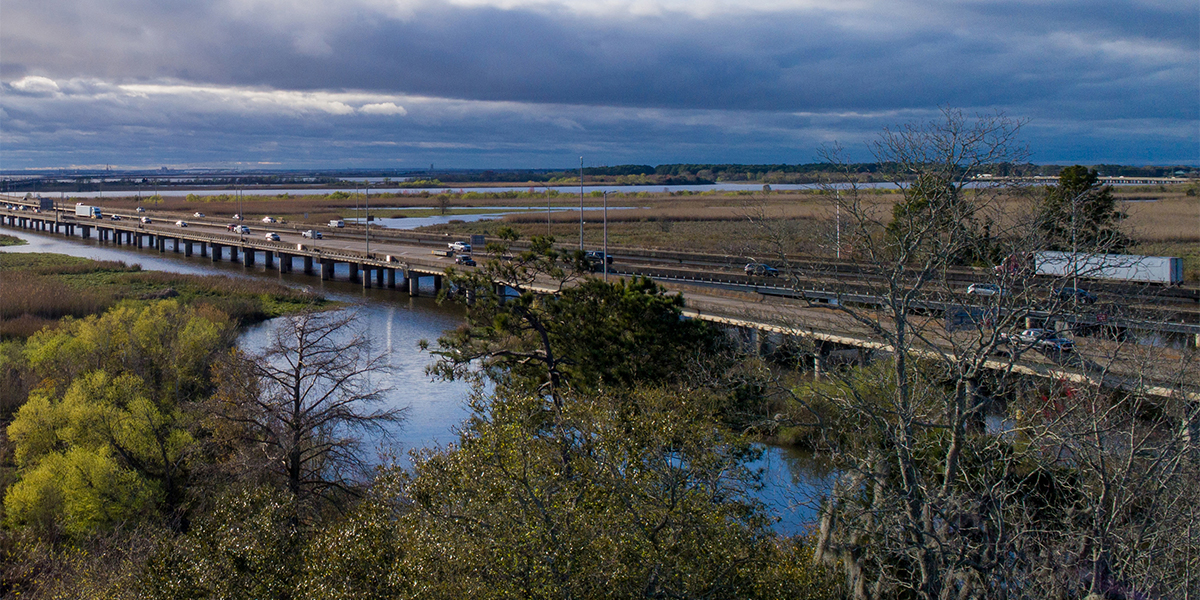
(1080, 214)
(105, 437)
(588, 336)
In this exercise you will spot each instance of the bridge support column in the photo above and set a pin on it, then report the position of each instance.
(401, 279)
(379, 277)
(187, 248)
(437, 283)
(285, 262)
(175, 245)
(820, 359)
(354, 269)
(216, 253)
(247, 257)
(326, 269)
(391, 279)
(414, 284)
(366, 276)
(159, 241)
(308, 265)
(1191, 425)
(269, 259)
(203, 249)
(87, 232)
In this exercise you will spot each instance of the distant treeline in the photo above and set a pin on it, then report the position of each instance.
(668, 174)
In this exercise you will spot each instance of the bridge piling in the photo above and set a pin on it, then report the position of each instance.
(326, 269)
(247, 257)
(269, 260)
(391, 279)
(414, 284)
(354, 269)
(308, 265)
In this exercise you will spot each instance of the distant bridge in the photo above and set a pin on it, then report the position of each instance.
(1106, 180)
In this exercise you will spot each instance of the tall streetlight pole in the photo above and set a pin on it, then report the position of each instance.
(581, 203)
(605, 236)
(838, 211)
(367, 210)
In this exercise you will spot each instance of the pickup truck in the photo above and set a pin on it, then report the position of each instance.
(460, 247)
(312, 234)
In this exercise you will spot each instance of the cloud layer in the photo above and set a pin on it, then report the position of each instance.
(509, 83)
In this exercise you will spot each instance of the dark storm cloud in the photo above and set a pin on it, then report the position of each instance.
(518, 82)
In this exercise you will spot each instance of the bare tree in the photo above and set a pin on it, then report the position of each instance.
(299, 408)
(931, 504)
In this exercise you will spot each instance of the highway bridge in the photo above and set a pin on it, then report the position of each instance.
(402, 260)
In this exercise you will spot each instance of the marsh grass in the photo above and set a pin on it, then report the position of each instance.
(10, 240)
(36, 290)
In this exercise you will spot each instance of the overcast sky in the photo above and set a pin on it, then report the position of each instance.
(538, 83)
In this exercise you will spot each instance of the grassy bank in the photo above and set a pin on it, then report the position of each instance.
(36, 290)
(10, 240)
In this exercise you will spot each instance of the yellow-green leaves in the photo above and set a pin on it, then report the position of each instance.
(79, 491)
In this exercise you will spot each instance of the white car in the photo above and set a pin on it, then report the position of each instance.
(274, 237)
(312, 234)
(985, 289)
(268, 220)
(198, 215)
(181, 223)
(237, 217)
(145, 219)
(460, 247)
(140, 209)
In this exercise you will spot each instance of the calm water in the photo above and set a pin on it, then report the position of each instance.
(792, 480)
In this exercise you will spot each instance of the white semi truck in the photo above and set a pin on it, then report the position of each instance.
(1085, 265)
(90, 212)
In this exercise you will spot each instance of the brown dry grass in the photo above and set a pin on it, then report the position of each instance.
(1173, 218)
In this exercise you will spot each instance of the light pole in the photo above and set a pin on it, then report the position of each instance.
(581, 203)
(837, 207)
(605, 236)
(367, 210)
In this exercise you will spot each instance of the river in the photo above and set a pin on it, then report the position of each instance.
(792, 480)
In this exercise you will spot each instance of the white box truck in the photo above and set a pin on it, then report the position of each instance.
(91, 212)
(1121, 267)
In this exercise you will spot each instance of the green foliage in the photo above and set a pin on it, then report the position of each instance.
(167, 345)
(247, 547)
(1078, 213)
(611, 496)
(360, 556)
(12, 240)
(104, 437)
(588, 336)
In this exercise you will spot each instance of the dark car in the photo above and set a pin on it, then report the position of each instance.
(761, 269)
(1067, 294)
(598, 256)
(464, 259)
